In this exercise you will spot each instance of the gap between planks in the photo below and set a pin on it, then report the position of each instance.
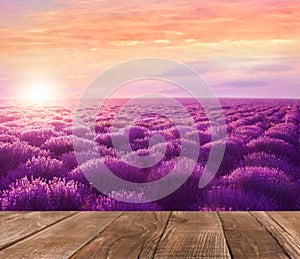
(193, 235)
(150, 235)
(63, 239)
(17, 226)
(132, 235)
(250, 235)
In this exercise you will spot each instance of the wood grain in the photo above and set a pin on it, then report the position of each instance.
(193, 235)
(7, 215)
(63, 239)
(17, 226)
(150, 235)
(247, 238)
(290, 243)
(133, 235)
(290, 221)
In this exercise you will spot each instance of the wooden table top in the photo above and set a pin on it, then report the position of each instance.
(150, 235)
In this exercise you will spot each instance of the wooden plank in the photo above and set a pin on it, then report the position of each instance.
(4, 215)
(16, 226)
(193, 235)
(247, 238)
(133, 235)
(289, 221)
(63, 239)
(290, 243)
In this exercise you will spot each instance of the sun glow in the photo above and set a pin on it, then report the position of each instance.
(39, 91)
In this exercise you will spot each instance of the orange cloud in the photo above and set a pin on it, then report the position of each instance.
(85, 37)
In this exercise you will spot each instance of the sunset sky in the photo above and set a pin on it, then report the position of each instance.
(243, 48)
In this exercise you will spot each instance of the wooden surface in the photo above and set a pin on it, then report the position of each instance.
(150, 235)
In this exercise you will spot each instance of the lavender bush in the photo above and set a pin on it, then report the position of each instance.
(260, 169)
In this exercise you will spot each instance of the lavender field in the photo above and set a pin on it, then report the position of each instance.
(260, 169)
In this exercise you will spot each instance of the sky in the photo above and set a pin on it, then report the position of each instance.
(245, 48)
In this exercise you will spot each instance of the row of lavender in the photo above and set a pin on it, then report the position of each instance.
(260, 169)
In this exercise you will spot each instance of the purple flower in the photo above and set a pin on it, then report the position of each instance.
(39, 194)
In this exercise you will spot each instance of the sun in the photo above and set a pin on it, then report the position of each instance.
(39, 91)
(40, 94)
